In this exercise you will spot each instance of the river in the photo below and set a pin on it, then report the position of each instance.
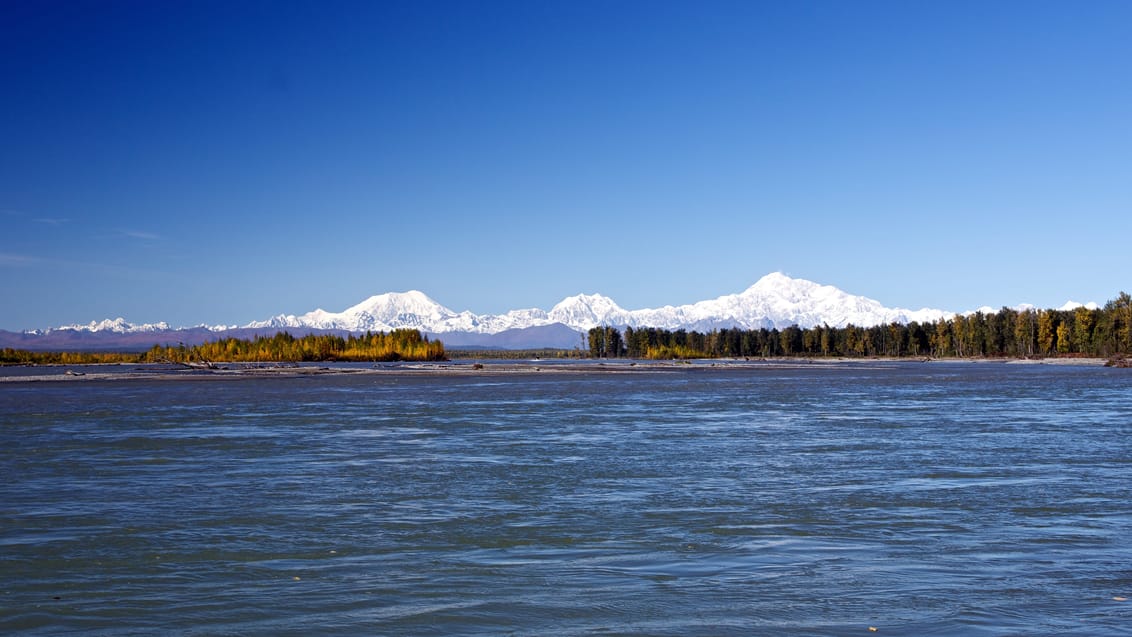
(909, 498)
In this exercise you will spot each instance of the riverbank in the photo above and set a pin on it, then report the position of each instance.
(124, 372)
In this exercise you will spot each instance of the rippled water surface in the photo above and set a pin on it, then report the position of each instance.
(919, 499)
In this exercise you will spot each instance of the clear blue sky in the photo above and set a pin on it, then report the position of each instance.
(221, 162)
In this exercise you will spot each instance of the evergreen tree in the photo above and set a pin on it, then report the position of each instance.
(1121, 310)
(597, 342)
(613, 342)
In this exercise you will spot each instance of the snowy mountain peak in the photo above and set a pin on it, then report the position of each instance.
(595, 302)
(778, 285)
(1073, 305)
(393, 304)
(777, 282)
(382, 312)
(584, 311)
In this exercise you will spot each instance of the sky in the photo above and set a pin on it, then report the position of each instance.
(223, 162)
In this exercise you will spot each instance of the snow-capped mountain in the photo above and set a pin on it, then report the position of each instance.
(122, 326)
(778, 301)
(412, 309)
(584, 311)
(118, 326)
(1072, 305)
(1068, 306)
(775, 301)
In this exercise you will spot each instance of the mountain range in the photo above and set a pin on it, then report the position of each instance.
(774, 301)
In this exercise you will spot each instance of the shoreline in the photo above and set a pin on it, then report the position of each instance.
(475, 367)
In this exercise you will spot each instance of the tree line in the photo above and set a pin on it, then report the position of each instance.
(398, 345)
(12, 356)
(1102, 332)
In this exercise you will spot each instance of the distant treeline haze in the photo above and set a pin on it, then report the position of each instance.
(1102, 332)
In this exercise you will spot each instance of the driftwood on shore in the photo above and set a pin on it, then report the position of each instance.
(201, 365)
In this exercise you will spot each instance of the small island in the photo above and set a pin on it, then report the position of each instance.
(398, 345)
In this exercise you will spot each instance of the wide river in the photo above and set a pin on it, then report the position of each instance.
(909, 498)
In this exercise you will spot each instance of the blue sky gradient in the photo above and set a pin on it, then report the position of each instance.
(221, 162)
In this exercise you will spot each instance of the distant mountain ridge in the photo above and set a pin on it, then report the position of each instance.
(774, 301)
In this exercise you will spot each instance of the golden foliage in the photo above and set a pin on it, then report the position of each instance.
(398, 345)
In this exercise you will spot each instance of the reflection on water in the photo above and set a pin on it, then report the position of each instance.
(920, 499)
